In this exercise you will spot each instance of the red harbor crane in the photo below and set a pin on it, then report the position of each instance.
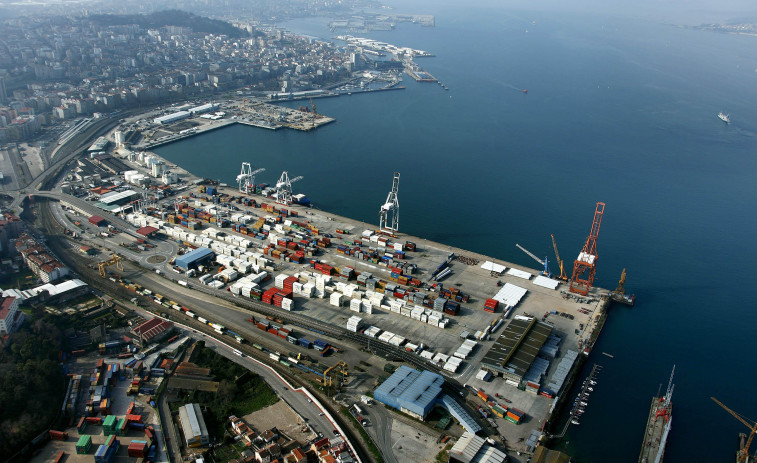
(585, 266)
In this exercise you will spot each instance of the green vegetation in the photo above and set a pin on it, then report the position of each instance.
(240, 392)
(24, 279)
(32, 384)
(170, 18)
(364, 436)
(443, 456)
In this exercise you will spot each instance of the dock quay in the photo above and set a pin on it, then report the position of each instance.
(258, 114)
(419, 74)
(388, 281)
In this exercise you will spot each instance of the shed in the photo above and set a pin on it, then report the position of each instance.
(147, 231)
(97, 220)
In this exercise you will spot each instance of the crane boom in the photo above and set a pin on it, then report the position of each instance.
(532, 255)
(560, 262)
(742, 454)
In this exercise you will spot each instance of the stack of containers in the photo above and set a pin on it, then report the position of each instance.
(499, 411)
(83, 445)
(439, 304)
(268, 295)
(107, 451)
(451, 307)
(514, 415)
(122, 427)
(355, 305)
(353, 324)
(452, 364)
(491, 305)
(138, 449)
(109, 425)
(335, 299)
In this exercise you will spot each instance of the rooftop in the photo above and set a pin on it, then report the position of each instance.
(152, 328)
(517, 346)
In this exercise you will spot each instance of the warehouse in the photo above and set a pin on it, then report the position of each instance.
(152, 330)
(515, 350)
(471, 448)
(410, 391)
(193, 425)
(115, 199)
(173, 117)
(194, 258)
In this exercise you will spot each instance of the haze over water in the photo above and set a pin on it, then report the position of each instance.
(618, 110)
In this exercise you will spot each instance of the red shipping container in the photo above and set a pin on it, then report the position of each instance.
(57, 435)
(273, 331)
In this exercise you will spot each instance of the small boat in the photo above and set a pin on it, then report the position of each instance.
(575, 422)
(590, 389)
(584, 404)
(593, 383)
(724, 117)
(525, 91)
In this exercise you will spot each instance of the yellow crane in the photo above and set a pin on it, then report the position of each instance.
(112, 260)
(327, 376)
(621, 289)
(743, 454)
(563, 276)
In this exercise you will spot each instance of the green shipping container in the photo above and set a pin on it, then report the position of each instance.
(122, 427)
(512, 420)
(83, 445)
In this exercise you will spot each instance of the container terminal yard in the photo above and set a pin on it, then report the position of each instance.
(506, 339)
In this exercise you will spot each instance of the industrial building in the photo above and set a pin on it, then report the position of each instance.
(98, 145)
(194, 258)
(173, 117)
(471, 448)
(410, 391)
(193, 425)
(516, 348)
(152, 330)
(203, 108)
(115, 199)
(417, 392)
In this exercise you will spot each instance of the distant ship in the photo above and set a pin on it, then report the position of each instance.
(658, 426)
(724, 117)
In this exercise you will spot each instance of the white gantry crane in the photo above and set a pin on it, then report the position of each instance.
(389, 214)
(246, 178)
(284, 188)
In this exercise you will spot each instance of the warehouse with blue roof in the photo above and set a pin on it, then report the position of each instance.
(194, 258)
(417, 392)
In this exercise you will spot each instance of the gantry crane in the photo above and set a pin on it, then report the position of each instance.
(315, 114)
(560, 262)
(743, 454)
(544, 262)
(585, 266)
(246, 178)
(327, 376)
(391, 207)
(284, 188)
(114, 259)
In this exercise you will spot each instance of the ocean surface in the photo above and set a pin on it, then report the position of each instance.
(619, 110)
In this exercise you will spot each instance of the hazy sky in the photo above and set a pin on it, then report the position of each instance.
(672, 11)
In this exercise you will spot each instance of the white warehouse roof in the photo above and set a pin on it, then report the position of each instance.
(510, 294)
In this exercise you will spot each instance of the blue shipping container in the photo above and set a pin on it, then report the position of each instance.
(305, 343)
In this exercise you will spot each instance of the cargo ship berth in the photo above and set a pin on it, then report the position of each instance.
(464, 313)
